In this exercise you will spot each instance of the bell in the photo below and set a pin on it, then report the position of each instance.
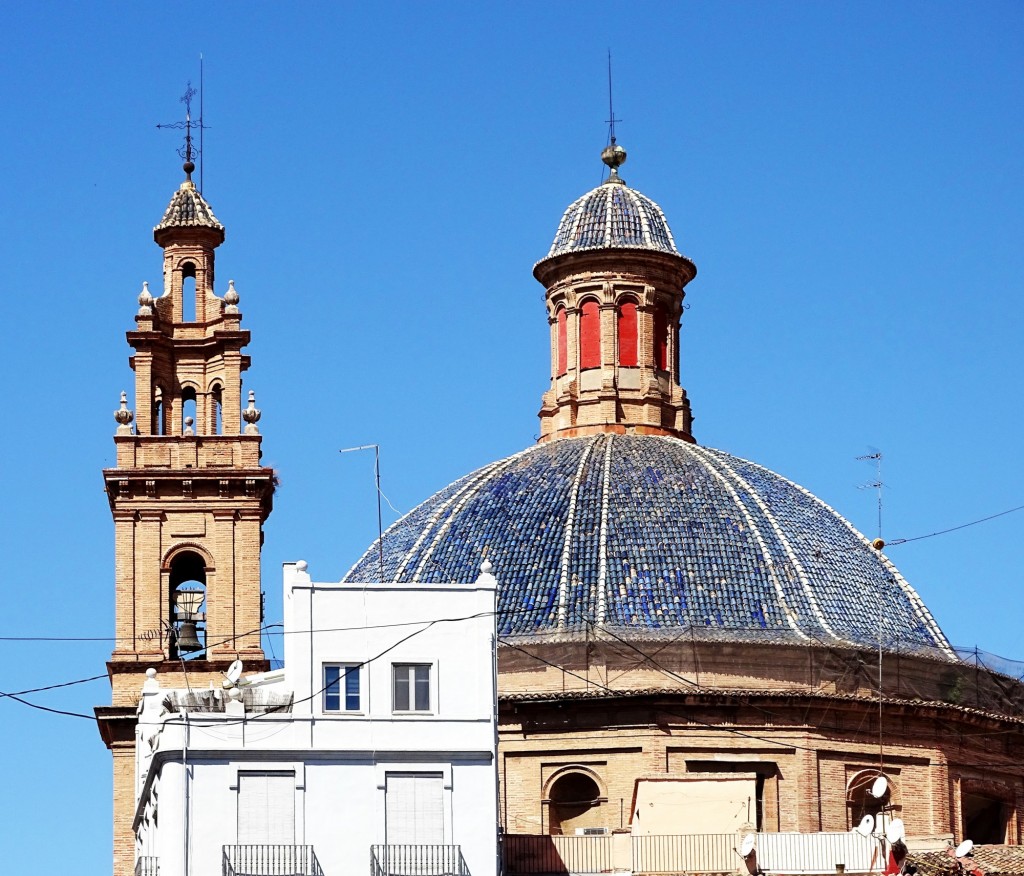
(187, 640)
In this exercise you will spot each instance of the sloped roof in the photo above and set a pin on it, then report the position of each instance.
(188, 209)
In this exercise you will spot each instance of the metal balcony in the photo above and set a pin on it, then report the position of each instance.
(148, 865)
(417, 861)
(270, 861)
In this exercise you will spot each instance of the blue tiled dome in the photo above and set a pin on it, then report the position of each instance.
(613, 216)
(654, 536)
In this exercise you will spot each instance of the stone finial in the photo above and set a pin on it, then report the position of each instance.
(188, 426)
(145, 301)
(231, 298)
(124, 416)
(614, 156)
(251, 415)
(486, 567)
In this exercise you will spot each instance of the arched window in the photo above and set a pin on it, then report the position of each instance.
(158, 411)
(627, 333)
(860, 800)
(216, 409)
(562, 349)
(590, 334)
(660, 340)
(575, 801)
(188, 411)
(188, 598)
(188, 292)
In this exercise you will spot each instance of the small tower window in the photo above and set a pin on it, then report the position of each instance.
(158, 411)
(188, 292)
(660, 340)
(590, 335)
(627, 334)
(562, 351)
(216, 409)
(188, 411)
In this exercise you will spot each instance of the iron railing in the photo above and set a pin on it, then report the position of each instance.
(818, 853)
(691, 853)
(527, 854)
(414, 860)
(270, 861)
(147, 865)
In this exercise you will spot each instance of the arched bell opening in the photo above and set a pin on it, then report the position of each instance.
(187, 602)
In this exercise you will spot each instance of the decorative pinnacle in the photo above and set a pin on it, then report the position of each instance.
(123, 416)
(614, 156)
(252, 415)
(188, 426)
(231, 298)
(145, 301)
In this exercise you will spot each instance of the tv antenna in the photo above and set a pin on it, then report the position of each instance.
(880, 786)
(380, 520)
(189, 151)
(877, 483)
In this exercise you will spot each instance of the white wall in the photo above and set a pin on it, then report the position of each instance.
(340, 760)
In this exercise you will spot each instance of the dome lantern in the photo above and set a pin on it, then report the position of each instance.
(614, 280)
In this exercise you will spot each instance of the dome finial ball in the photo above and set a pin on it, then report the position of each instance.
(614, 156)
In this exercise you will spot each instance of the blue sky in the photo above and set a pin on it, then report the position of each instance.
(846, 177)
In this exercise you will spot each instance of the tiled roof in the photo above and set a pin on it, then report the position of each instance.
(652, 534)
(613, 216)
(188, 209)
(995, 860)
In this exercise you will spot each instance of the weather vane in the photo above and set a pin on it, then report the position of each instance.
(188, 152)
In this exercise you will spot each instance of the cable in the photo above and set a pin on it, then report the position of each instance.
(899, 541)
(51, 686)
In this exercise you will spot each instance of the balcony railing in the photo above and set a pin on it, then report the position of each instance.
(147, 866)
(782, 854)
(691, 853)
(270, 861)
(417, 861)
(534, 854)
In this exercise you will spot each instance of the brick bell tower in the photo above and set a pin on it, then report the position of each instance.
(614, 285)
(188, 494)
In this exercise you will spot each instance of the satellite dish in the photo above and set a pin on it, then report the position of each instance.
(234, 672)
(879, 786)
(894, 831)
(964, 849)
(747, 846)
(866, 826)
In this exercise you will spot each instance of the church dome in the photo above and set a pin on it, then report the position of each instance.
(613, 216)
(652, 536)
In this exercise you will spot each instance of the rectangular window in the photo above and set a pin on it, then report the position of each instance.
(411, 687)
(341, 687)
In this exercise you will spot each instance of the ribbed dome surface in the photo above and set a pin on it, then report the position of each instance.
(655, 535)
(613, 216)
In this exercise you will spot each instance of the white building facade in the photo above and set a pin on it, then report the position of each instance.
(374, 747)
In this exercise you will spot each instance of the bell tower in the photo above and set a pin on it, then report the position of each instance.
(188, 493)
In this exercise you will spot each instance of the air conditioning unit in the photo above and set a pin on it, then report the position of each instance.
(592, 831)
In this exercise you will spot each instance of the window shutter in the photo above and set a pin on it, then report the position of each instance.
(414, 809)
(266, 808)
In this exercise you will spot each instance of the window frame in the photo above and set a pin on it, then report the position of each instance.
(412, 682)
(341, 691)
